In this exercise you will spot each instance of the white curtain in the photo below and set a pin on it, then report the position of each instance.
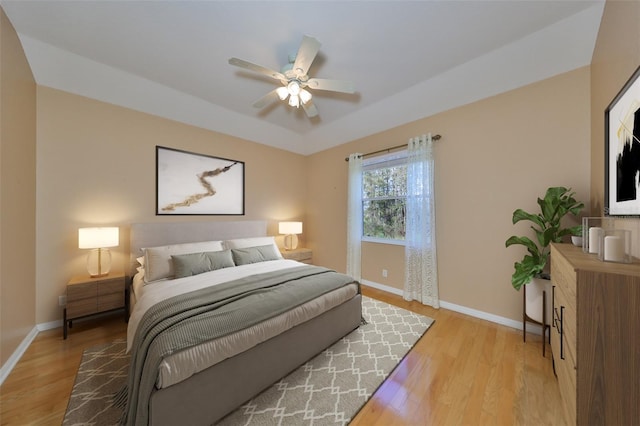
(421, 275)
(354, 216)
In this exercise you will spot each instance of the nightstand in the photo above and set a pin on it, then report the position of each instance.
(88, 296)
(300, 254)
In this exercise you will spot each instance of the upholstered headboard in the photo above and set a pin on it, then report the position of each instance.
(159, 234)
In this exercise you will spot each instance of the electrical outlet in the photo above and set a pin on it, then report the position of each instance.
(384, 273)
(62, 300)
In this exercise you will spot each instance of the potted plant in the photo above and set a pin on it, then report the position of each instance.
(532, 270)
(556, 204)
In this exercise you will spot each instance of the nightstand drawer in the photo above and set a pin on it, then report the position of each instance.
(110, 301)
(82, 291)
(81, 307)
(111, 287)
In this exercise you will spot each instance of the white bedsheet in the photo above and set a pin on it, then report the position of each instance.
(184, 364)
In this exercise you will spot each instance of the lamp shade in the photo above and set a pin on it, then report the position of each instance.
(90, 238)
(290, 228)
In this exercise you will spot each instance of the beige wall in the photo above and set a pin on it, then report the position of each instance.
(496, 155)
(17, 193)
(96, 166)
(615, 58)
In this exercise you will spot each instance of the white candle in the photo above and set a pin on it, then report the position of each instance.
(613, 249)
(594, 239)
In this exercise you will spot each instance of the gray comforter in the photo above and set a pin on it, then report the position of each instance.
(189, 319)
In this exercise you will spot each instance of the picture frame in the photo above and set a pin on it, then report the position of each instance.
(189, 183)
(622, 151)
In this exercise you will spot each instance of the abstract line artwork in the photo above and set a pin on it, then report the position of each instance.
(198, 184)
(622, 139)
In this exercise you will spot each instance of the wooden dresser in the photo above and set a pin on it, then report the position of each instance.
(595, 337)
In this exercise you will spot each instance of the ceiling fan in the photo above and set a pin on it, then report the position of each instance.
(295, 80)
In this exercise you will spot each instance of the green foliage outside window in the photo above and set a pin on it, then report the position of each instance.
(384, 192)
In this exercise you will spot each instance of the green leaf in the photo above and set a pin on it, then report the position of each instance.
(520, 214)
(525, 270)
(525, 241)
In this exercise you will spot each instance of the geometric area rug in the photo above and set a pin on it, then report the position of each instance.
(329, 389)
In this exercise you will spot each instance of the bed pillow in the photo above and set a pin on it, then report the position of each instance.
(244, 256)
(253, 242)
(186, 265)
(157, 260)
(140, 268)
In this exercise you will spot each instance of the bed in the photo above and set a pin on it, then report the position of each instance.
(199, 383)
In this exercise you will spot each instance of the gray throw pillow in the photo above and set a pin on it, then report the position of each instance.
(243, 256)
(186, 265)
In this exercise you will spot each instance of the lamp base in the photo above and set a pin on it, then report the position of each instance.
(99, 262)
(290, 242)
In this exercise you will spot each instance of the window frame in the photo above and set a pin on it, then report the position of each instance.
(391, 159)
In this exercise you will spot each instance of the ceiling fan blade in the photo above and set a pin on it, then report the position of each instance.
(256, 68)
(332, 85)
(310, 109)
(266, 99)
(306, 54)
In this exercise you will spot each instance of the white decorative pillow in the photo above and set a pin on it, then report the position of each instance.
(157, 260)
(253, 242)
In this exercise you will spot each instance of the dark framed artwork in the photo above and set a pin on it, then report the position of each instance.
(622, 151)
(196, 184)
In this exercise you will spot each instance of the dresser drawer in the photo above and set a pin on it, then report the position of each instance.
(566, 373)
(563, 276)
(563, 348)
(565, 307)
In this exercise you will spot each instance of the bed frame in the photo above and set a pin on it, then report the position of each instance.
(208, 396)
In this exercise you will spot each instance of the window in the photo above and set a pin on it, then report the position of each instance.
(384, 197)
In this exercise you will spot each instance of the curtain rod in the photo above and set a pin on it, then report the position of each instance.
(434, 137)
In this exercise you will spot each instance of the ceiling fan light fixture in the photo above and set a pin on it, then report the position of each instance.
(294, 101)
(282, 92)
(305, 96)
(294, 88)
(294, 79)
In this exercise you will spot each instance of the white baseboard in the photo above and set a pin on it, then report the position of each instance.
(49, 325)
(382, 287)
(24, 345)
(17, 354)
(531, 328)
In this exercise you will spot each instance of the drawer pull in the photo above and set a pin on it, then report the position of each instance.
(553, 305)
(558, 319)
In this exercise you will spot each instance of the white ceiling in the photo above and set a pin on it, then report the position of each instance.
(407, 59)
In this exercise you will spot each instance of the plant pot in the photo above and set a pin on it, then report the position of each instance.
(533, 299)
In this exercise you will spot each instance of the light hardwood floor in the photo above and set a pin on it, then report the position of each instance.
(464, 371)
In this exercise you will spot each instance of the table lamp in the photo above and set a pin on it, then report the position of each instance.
(98, 239)
(290, 229)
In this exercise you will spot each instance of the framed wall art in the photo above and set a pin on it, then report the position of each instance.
(622, 151)
(196, 184)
